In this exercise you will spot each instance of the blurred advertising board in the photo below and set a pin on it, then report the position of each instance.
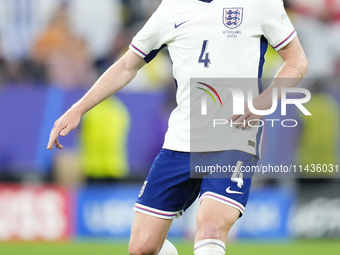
(53, 213)
(107, 211)
(317, 214)
(267, 215)
(34, 213)
(317, 218)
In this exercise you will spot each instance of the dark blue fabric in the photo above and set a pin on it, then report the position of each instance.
(153, 54)
(263, 50)
(170, 186)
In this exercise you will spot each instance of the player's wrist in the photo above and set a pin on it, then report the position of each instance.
(77, 109)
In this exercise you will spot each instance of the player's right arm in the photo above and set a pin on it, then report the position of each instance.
(114, 79)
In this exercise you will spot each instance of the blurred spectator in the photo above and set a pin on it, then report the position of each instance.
(20, 22)
(2, 68)
(15, 72)
(56, 37)
(138, 11)
(153, 76)
(103, 139)
(66, 56)
(97, 22)
(101, 156)
(117, 47)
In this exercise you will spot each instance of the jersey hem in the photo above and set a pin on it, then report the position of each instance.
(251, 151)
(285, 41)
(137, 51)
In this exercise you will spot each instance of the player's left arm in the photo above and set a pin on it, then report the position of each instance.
(294, 68)
(112, 80)
(295, 62)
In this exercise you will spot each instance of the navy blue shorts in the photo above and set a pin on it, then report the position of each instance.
(169, 189)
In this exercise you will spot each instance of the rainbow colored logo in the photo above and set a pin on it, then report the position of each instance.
(212, 89)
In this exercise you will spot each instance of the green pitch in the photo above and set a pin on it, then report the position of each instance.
(314, 247)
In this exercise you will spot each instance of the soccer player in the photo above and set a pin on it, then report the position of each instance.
(207, 39)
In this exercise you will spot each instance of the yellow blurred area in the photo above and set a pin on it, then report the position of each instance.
(103, 139)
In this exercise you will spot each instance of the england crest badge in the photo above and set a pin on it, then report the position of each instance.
(232, 17)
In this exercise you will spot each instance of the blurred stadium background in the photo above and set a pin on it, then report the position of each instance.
(80, 199)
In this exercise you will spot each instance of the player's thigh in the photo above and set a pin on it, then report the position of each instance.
(168, 190)
(148, 234)
(214, 220)
(224, 195)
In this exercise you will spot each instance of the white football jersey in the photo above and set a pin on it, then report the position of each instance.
(234, 33)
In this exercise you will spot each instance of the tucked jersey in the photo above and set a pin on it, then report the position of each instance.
(234, 32)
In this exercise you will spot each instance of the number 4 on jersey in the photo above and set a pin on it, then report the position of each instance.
(204, 57)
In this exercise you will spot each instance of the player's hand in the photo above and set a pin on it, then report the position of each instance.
(262, 102)
(62, 127)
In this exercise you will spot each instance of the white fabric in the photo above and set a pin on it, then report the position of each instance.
(234, 52)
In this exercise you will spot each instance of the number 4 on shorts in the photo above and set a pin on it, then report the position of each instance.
(238, 175)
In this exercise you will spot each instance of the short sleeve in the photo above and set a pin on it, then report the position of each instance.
(275, 23)
(148, 41)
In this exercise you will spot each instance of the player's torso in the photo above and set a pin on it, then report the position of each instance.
(220, 39)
